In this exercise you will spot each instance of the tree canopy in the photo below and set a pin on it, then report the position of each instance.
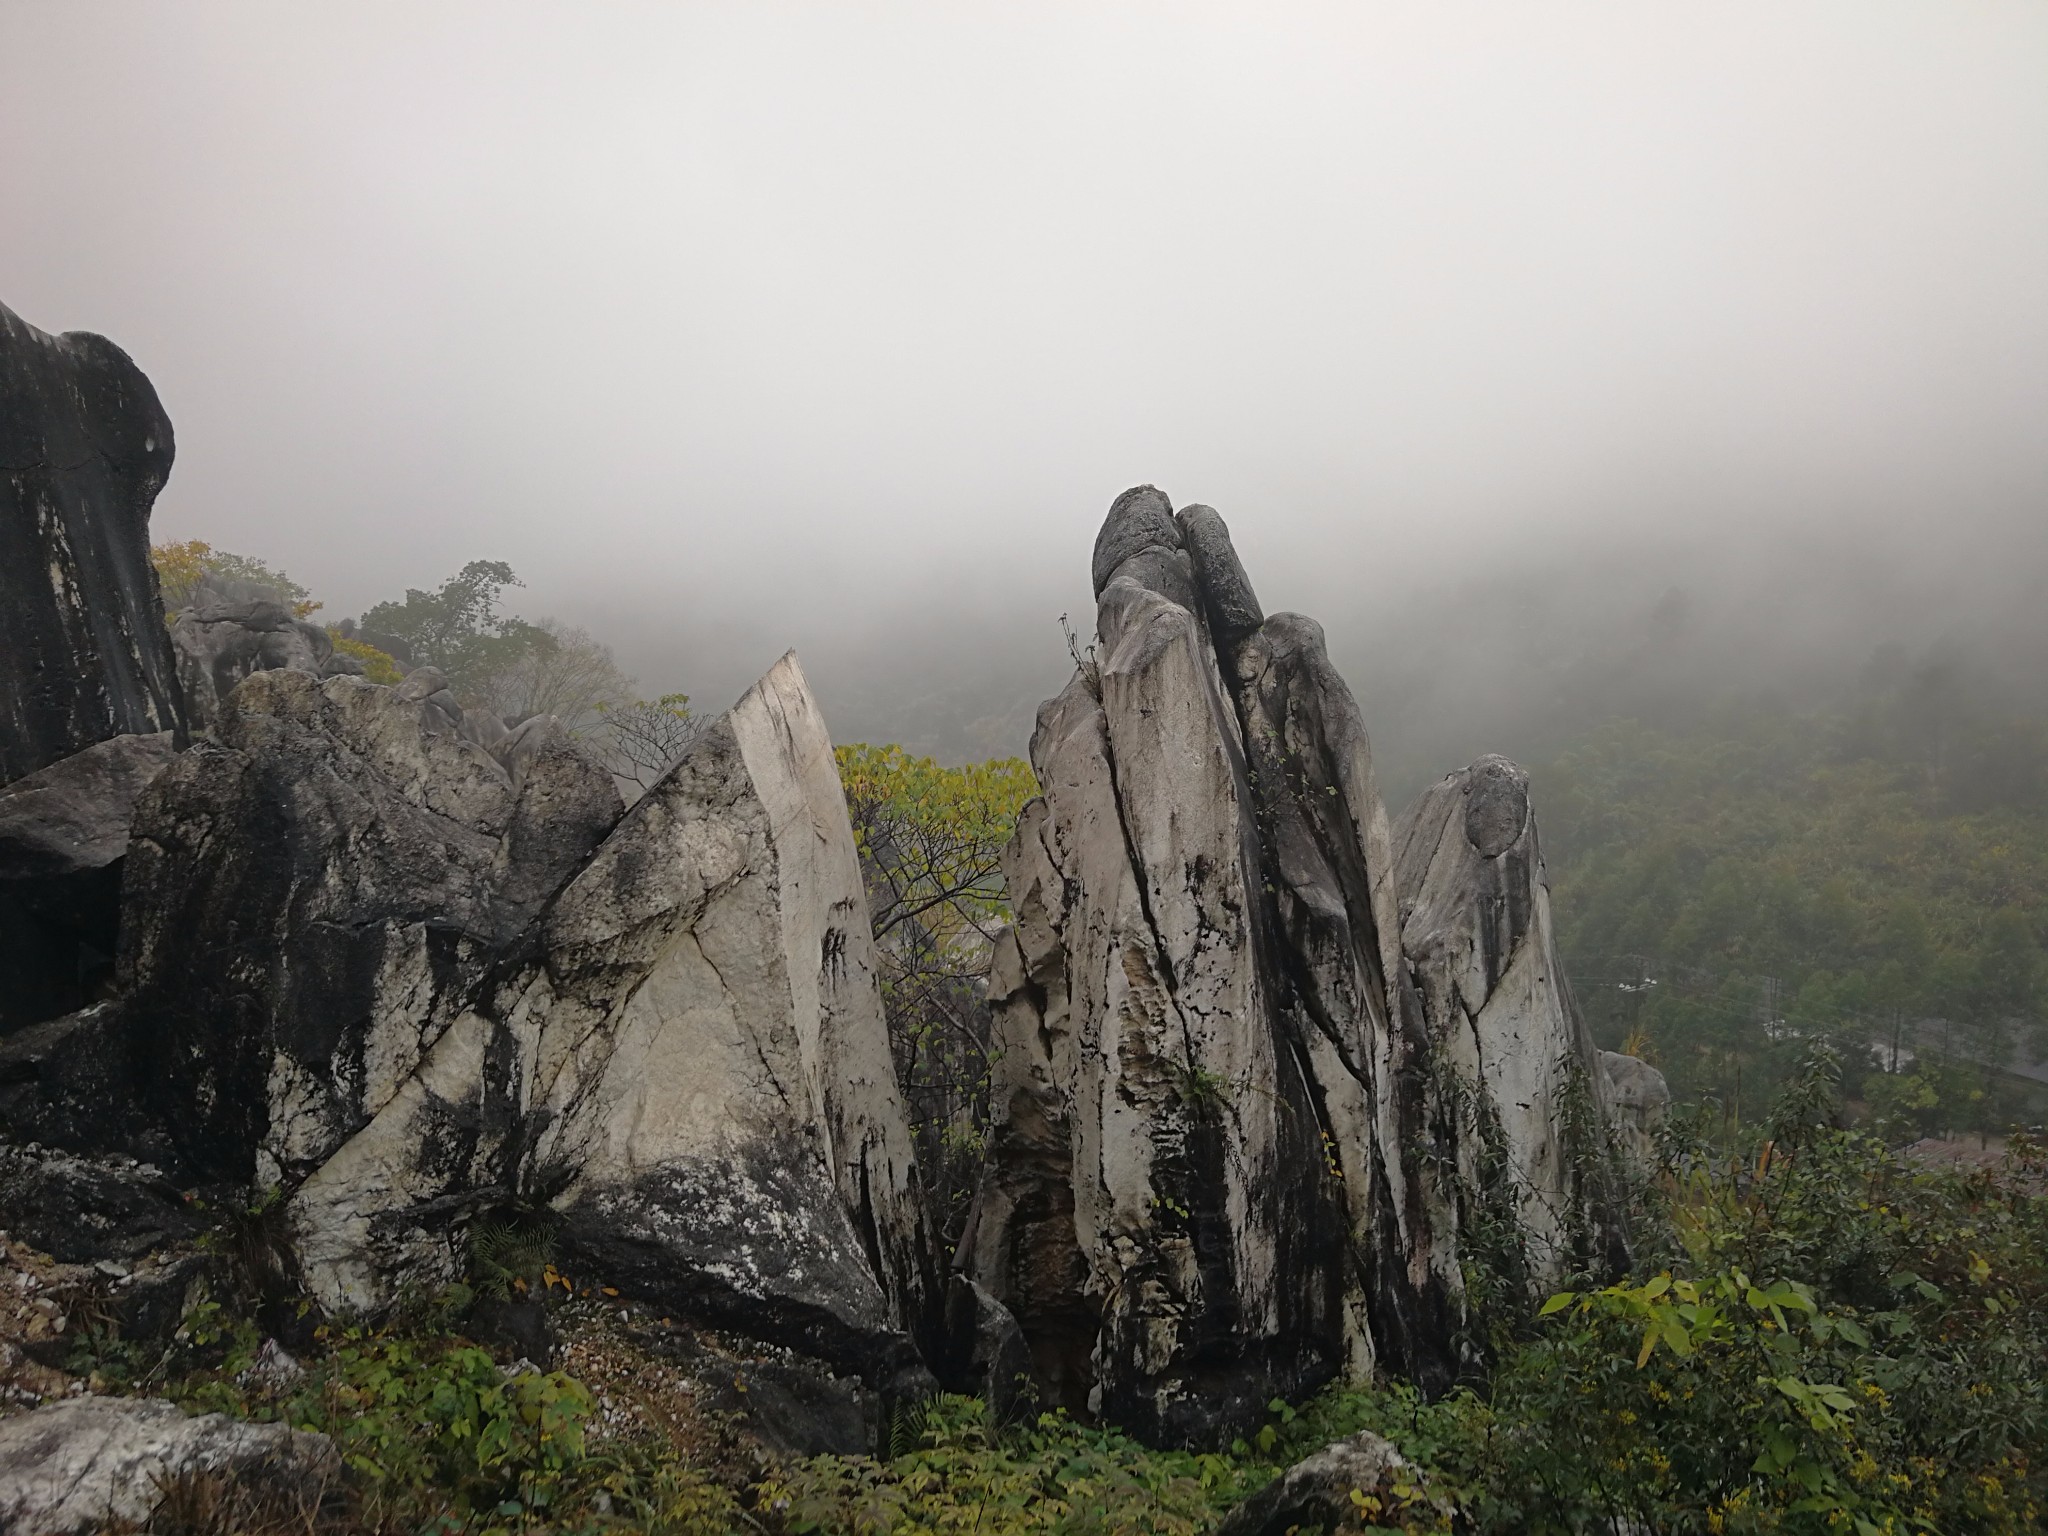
(459, 627)
(931, 839)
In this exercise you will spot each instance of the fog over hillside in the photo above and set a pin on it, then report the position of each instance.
(1593, 351)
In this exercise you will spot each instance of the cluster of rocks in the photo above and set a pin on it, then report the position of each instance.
(1266, 1059)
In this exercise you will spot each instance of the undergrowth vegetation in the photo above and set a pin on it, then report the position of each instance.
(1819, 1337)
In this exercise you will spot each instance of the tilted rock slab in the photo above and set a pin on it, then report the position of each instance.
(1515, 1069)
(686, 1064)
(84, 448)
(1207, 1182)
(90, 1462)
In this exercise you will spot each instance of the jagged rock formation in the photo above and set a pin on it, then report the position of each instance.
(219, 641)
(1228, 1163)
(84, 449)
(1514, 1068)
(1205, 1187)
(310, 902)
(92, 1462)
(63, 832)
(686, 1065)
(1263, 1065)
(415, 984)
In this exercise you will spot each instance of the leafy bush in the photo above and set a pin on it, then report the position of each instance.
(183, 569)
(378, 666)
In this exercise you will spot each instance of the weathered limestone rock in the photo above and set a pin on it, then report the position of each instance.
(219, 641)
(82, 1210)
(84, 449)
(1203, 1186)
(89, 1462)
(687, 1068)
(1315, 1494)
(1637, 1100)
(73, 816)
(709, 1051)
(310, 903)
(1514, 1067)
(63, 830)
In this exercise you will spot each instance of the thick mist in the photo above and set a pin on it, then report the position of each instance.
(1561, 359)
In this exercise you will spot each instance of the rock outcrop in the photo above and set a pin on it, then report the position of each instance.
(1342, 1486)
(1208, 1183)
(1229, 1160)
(686, 1067)
(84, 449)
(1514, 1068)
(417, 985)
(63, 832)
(92, 1462)
(310, 902)
(1637, 1100)
(221, 640)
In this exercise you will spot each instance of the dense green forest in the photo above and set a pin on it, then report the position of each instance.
(1874, 870)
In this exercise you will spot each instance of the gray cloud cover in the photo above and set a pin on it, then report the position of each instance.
(737, 326)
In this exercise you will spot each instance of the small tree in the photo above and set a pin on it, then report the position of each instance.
(931, 840)
(458, 628)
(574, 677)
(641, 739)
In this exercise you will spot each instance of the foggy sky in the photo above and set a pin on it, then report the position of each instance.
(734, 327)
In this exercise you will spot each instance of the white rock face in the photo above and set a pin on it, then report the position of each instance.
(707, 1057)
(1200, 1193)
(91, 1461)
(1120, 998)
(689, 1066)
(1519, 1071)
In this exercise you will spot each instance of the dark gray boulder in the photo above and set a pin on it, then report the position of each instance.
(84, 448)
(69, 1082)
(63, 831)
(220, 640)
(73, 816)
(83, 1210)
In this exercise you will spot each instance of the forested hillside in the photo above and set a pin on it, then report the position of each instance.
(1875, 871)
